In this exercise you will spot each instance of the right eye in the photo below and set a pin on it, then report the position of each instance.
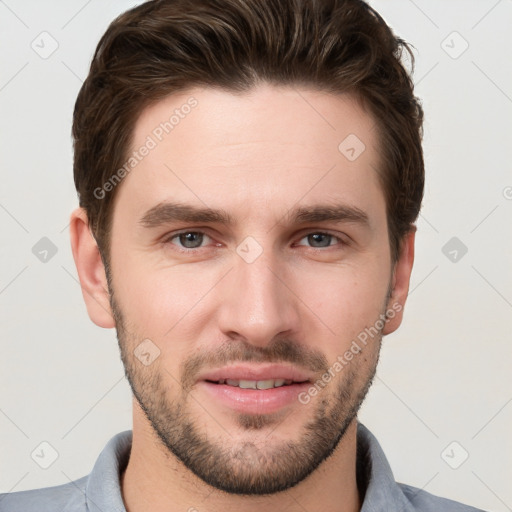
(187, 240)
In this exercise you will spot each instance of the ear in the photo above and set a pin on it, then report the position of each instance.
(400, 283)
(91, 270)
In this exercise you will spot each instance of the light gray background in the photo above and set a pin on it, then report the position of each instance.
(443, 377)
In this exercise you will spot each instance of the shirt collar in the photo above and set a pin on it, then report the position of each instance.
(103, 491)
(375, 478)
(374, 472)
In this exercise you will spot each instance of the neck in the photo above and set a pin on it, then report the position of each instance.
(156, 480)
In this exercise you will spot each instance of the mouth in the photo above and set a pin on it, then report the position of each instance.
(252, 389)
(253, 396)
(256, 384)
(251, 376)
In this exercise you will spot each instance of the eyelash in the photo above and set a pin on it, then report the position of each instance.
(169, 239)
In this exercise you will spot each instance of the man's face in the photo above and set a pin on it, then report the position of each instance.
(273, 295)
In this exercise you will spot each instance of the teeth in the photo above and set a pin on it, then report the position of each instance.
(256, 384)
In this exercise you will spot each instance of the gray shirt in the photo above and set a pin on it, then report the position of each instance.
(100, 491)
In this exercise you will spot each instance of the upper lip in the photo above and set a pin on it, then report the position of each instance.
(265, 372)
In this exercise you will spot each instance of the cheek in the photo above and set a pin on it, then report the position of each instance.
(165, 302)
(344, 299)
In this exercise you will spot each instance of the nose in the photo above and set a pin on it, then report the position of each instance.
(257, 302)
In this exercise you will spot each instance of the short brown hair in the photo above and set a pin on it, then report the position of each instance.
(166, 46)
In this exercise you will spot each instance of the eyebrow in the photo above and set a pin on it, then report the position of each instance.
(167, 212)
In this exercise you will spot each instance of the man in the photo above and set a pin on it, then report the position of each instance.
(249, 174)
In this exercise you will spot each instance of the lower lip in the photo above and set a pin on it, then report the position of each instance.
(254, 401)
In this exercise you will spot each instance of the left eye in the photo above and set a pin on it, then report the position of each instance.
(194, 239)
(189, 239)
(323, 239)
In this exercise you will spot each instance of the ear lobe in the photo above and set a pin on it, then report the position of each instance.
(400, 281)
(91, 271)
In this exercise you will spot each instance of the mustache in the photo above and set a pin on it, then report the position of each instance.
(279, 351)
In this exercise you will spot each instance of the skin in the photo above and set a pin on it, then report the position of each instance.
(303, 301)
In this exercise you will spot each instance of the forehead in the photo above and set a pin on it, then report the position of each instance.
(268, 147)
